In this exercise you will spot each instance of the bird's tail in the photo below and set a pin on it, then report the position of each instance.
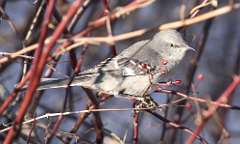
(62, 83)
(53, 84)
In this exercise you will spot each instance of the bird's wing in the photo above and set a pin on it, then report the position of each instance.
(111, 75)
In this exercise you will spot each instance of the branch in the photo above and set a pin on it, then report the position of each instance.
(171, 25)
(224, 98)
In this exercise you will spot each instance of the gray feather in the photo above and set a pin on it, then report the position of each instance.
(122, 74)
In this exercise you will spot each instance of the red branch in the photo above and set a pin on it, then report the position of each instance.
(224, 98)
(34, 80)
(39, 63)
(13, 95)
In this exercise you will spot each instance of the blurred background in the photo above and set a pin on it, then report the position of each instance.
(217, 42)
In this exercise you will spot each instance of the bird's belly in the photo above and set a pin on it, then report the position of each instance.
(129, 85)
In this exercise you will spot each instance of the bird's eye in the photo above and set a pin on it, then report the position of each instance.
(172, 45)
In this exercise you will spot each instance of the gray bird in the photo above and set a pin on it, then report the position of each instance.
(134, 69)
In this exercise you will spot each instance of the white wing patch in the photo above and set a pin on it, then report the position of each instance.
(128, 71)
(116, 65)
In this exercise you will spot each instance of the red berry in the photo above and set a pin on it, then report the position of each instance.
(200, 77)
(144, 66)
(188, 106)
(164, 61)
(177, 82)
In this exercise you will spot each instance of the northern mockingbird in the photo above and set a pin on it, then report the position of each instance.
(133, 70)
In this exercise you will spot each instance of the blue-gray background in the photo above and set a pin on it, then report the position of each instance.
(217, 64)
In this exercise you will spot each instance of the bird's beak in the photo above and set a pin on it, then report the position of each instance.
(192, 49)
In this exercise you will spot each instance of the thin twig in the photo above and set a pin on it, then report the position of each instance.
(171, 25)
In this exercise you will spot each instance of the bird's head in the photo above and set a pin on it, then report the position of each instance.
(170, 46)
